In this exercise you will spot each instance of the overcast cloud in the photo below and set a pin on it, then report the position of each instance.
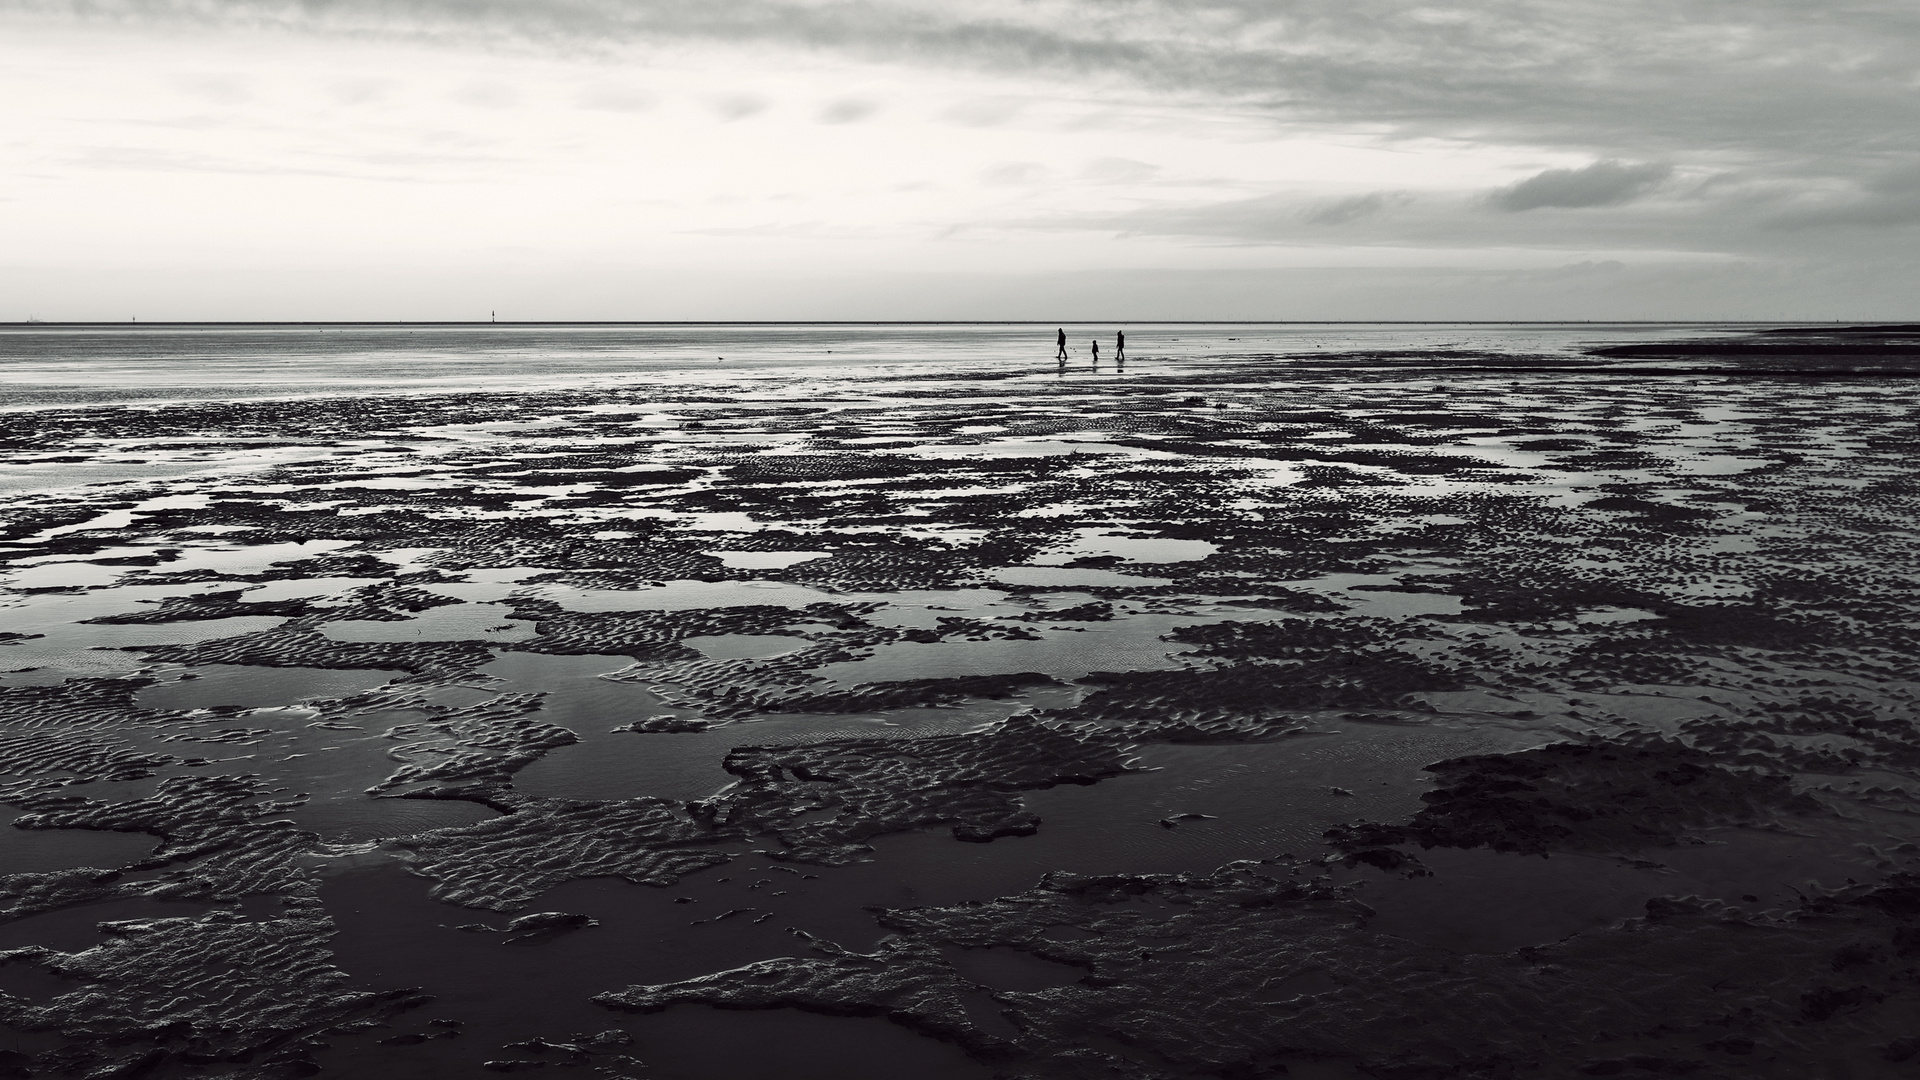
(1219, 137)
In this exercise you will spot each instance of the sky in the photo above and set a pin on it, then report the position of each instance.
(959, 159)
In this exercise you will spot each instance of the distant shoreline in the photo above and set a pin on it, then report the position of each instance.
(935, 322)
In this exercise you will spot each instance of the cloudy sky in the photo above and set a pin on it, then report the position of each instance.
(990, 159)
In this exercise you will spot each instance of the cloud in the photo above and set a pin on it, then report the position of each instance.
(1356, 207)
(216, 89)
(847, 111)
(613, 98)
(487, 95)
(740, 106)
(1889, 199)
(1457, 220)
(1603, 183)
(1651, 77)
(1009, 173)
(1115, 170)
(1784, 88)
(1810, 107)
(362, 91)
(984, 112)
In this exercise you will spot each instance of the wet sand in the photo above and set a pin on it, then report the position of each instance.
(1394, 714)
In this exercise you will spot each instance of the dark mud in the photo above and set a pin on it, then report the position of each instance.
(1403, 716)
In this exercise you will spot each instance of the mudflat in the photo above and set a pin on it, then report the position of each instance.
(1393, 713)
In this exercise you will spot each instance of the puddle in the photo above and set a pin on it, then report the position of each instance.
(345, 821)
(764, 560)
(302, 588)
(1390, 604)
(1486, 902)
(1264, 799)
(1614, 615)
(1130, 644)
(37, 851)
(256, 559)
(691, 1042)
(926, 607)
(607, 764)
(254, 687)
(1071, 577)
(1058, 446)
(1137, 549)
(682, 596)
(392, 934)
(455, 622)
(1001, 968)
(1665, 713)
(744, 646)
(93, 649)
(75, 928)
(624, 765)
(65, 575)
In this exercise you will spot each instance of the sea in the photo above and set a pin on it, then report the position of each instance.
(69, 365)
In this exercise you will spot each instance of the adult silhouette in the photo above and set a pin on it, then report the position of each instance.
(1096, 351)
(1120, 347)
(1061, 353)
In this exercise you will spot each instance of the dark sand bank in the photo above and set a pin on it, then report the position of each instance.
(1396, 714)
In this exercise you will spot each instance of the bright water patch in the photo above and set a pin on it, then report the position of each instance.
(93, 649)
(1393, 604)
(65, 574)
(625, 765)
(1071, 577)
(1025, 448)
(1139, 549)
(302, 588)
(926, 607)
(1615, 615)
(744, 646)
(456, 622)
(576, 697)
(352, 821)
(764, 560)
(253, 687)
(1132, 644)
(605, 763)
(252, 559)
(682, 596)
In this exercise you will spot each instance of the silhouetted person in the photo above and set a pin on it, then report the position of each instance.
(1120, 347)
(1061, 354)
(1096, 351)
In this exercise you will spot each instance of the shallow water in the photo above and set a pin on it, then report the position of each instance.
(744, 646)
(255, 687)
(1063, 651)
(96, 365)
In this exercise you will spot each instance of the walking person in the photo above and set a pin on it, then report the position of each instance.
(1120, 347)
(1061, 353)
(1096, 351)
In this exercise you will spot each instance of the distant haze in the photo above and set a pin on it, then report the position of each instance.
(967, 159)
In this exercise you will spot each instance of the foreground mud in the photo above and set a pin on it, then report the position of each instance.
(1390, 716)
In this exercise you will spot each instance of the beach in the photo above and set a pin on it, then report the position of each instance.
(850, 701)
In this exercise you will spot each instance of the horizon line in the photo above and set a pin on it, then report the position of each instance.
(22, 324)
